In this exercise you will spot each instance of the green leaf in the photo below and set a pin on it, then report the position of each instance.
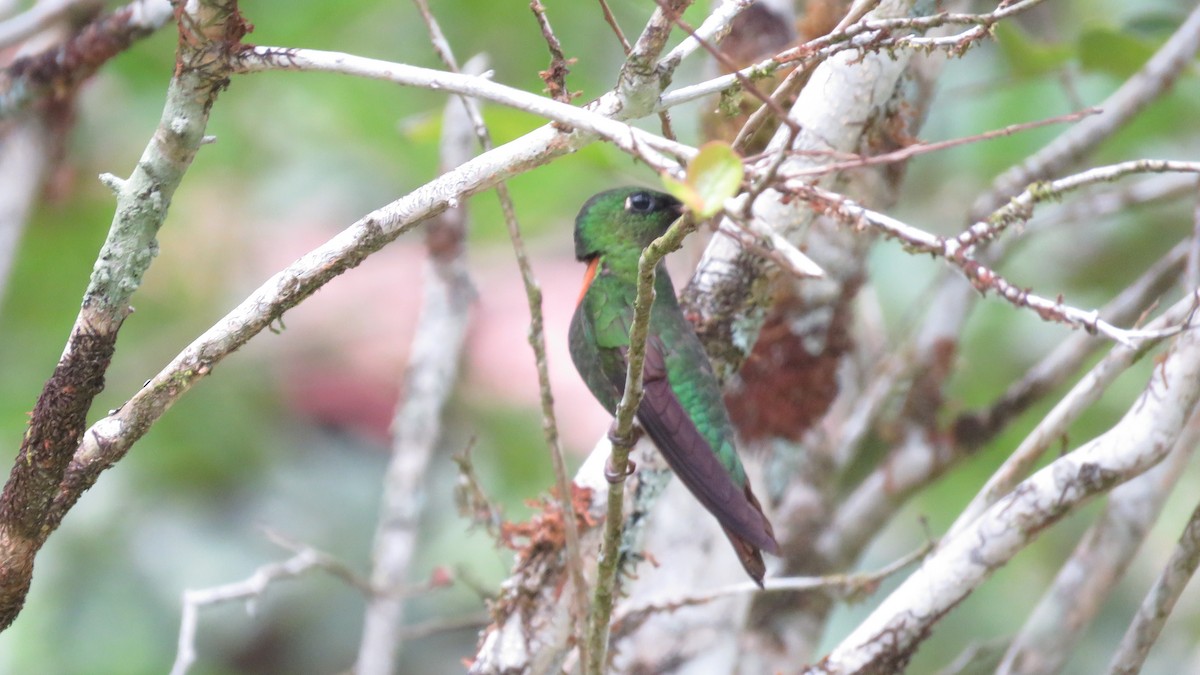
(714, 175)
(1028, 57)
(684, 192)
(1113, 52)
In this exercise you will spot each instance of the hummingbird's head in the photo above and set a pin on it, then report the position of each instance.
(623, 221)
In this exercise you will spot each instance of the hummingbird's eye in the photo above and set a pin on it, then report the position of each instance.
(639, 202)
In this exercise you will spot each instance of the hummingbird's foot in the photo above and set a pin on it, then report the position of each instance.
(613, 476)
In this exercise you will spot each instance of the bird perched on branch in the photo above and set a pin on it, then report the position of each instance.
(681, 406)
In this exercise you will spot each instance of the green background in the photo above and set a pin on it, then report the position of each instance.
(301, 156)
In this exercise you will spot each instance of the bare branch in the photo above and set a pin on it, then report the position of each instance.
(616, 27)
(1055, 423)
(41, 16)
(641, 144)
(1087, 579)
(250, 590)
(886, 640)
(957, 251)
(555, 76)
(854, 585)
(1146, 626)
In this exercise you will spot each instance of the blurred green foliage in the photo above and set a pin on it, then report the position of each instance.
(308, 153)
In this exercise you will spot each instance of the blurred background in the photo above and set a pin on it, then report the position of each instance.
(290, 434)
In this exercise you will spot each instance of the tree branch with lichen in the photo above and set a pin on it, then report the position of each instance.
(33, 500)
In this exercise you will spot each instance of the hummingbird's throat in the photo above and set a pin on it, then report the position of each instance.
(592, 268)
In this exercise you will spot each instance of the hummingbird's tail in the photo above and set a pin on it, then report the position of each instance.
(750, 557)
(748, 554)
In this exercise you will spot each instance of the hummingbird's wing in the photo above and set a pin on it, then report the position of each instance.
(694, 460)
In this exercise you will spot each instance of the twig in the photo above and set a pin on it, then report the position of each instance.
(606, 574)
(871, 35)
(39, 17)
(974, 428)
(616, 27)
(436, 626)
(250, 589)
(745, 82)
(1109, 199)
(917, 149)
(956, 251)
(854, 585)
(641, 144)
(555, 76)
(1020, 207)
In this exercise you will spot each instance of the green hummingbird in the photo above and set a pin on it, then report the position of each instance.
(681, 406)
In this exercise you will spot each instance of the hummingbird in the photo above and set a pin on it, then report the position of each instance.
(681, 409)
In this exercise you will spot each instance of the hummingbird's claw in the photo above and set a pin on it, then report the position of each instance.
(613, 476)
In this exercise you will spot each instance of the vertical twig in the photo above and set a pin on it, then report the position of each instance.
(606, 574)
(555, 76)
(612, 22)
(537, 341)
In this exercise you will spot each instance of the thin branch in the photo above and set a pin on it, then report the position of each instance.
(746, 83)
(974, 428)
(606, 574)
(41, 16)
(849, 585)
(616, 27)
(555, 76)
(917, 149)
(250, 590)
(867, 36)
(1019, 208)
(537, 341)
(956, 251)
(637, 142)
(713, 29)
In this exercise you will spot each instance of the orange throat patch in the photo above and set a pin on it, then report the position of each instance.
(588, 276)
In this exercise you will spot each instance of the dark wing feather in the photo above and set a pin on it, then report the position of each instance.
(694, 461)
